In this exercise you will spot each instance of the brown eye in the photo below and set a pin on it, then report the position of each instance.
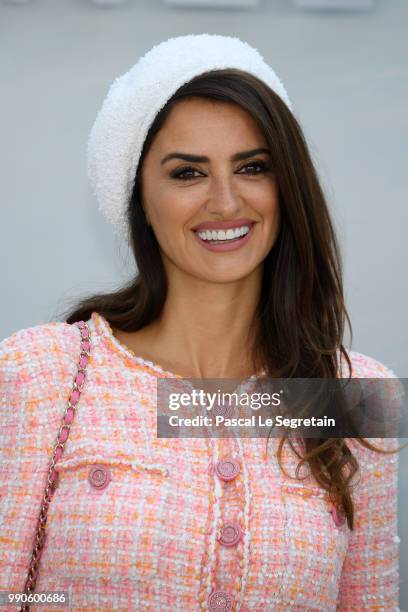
(184, 174)
(259, 167)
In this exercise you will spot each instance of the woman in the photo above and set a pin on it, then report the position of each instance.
(197, 154)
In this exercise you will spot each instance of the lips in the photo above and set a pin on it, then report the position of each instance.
(225, 246)
(223, 225)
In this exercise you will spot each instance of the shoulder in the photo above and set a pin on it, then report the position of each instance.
(32, 354)
(364, 366)
(389, 393)
(37, 367)
(47, 339)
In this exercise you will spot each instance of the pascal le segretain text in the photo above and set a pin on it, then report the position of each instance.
(256, 420)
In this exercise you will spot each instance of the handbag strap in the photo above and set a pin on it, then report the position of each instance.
(52, 475)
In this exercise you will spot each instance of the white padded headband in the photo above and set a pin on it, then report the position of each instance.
(134, 99)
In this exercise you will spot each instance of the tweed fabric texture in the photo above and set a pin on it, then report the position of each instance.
(147, 541)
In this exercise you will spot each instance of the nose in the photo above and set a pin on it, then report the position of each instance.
(223, 198)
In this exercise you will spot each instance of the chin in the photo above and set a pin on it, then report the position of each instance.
(225, 276)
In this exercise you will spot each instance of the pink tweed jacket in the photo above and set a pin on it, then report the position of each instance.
(156, 527)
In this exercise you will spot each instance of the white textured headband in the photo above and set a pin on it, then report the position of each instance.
(134, 99)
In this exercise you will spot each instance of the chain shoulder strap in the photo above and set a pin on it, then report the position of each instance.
(52, 475)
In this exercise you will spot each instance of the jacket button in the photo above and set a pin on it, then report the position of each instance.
(227, 469)
(219, 601)
(99, 476)
(230, 534)
(339, 516)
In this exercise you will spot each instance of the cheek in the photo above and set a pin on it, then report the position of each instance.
(269, 209)
(264, 198)
(160, 205)
(169, 216)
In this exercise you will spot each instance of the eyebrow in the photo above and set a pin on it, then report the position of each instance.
(203, 158)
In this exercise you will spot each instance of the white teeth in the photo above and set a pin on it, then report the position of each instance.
(230, 234)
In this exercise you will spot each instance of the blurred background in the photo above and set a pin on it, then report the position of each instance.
(344, 64)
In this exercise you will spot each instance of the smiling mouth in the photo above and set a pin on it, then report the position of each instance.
(225, 241)
(224, 236)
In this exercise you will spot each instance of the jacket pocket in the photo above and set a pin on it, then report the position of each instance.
(91, 475)
(316, 545)
(308, 505)
(117, 520)
(119, 462)
(103, 514)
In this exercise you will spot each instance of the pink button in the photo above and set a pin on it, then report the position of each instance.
(219, 600)
(230, 534)
(227, 469)
(99, 476)
(339, 516)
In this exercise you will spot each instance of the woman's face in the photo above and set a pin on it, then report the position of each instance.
(206, 166)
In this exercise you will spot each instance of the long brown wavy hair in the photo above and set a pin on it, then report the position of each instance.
(300, 318)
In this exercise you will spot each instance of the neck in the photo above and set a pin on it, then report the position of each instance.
(205, 328)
